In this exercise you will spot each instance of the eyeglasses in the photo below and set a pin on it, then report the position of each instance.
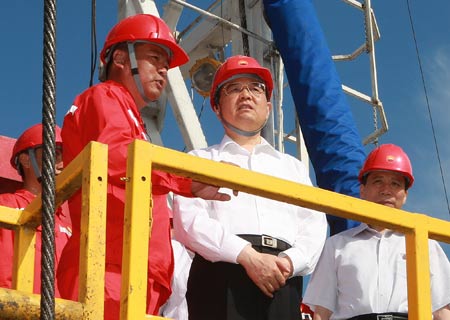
(255, 88)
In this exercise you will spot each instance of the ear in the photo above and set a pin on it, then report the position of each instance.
(24, 160)
(119, 57)
(216, 109)
(406, 196)
(361, 191)
(269, 108)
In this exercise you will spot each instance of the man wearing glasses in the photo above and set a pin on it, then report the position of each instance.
(250, 252)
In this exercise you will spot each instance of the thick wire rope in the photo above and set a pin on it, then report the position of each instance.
(93, 42)
(48, 163)
(419, 60)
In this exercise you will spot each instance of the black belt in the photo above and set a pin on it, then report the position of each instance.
(265, 241)
(382, 316)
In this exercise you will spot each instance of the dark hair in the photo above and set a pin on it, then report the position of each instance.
(364, 180)
(119, 46)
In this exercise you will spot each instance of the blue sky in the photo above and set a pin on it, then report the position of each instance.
(400, 85)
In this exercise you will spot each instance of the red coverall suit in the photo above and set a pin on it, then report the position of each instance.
(108, 114)
(19, 200)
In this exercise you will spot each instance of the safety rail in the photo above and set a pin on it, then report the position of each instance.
(144, 156)
(88, 171)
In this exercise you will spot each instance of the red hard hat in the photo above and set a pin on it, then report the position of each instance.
(144, 27)
(240, 65)
(391, 158)
(32, 138)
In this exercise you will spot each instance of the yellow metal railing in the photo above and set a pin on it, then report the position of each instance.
(88, 171)
(143, 156)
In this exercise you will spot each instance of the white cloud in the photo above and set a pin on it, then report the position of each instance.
(428, 194)
(439, 81)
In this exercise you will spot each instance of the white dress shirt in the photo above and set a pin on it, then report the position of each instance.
(364, 271)
(210, 228)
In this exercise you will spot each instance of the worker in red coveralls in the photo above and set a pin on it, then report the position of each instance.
(26, 158)
(137, 54)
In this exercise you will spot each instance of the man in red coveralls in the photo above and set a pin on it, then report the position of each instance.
(27, 159)
(137, 54)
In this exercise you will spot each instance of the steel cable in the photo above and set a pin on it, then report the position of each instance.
(419, 61)
(48, 163)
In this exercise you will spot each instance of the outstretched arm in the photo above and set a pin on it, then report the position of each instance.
(208, 192)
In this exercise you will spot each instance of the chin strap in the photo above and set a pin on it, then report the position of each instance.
(135, 72)
(34, 164)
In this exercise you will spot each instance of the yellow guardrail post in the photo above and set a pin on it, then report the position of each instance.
(93, 231)
(24, 252)
(418, 270)
(137, 226)
(23, 261)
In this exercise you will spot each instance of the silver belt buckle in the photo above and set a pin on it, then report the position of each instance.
(269, 242)
(385, 317)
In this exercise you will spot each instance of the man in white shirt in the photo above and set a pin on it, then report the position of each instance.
(252, 251)
(361, 274)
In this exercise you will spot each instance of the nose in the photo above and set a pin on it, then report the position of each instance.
(58, 170)
(385, 189)
(59, 166)
(245, 92)
(163, 72)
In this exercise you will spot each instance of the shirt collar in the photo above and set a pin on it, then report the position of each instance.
(358, 229)
(263, 147)
(365, 227)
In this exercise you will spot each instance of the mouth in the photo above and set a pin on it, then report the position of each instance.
(388, 203)
(244, 107)
(160, 83)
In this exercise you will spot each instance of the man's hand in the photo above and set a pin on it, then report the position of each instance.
(286, 267)
(263, 269)
(208, 192)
